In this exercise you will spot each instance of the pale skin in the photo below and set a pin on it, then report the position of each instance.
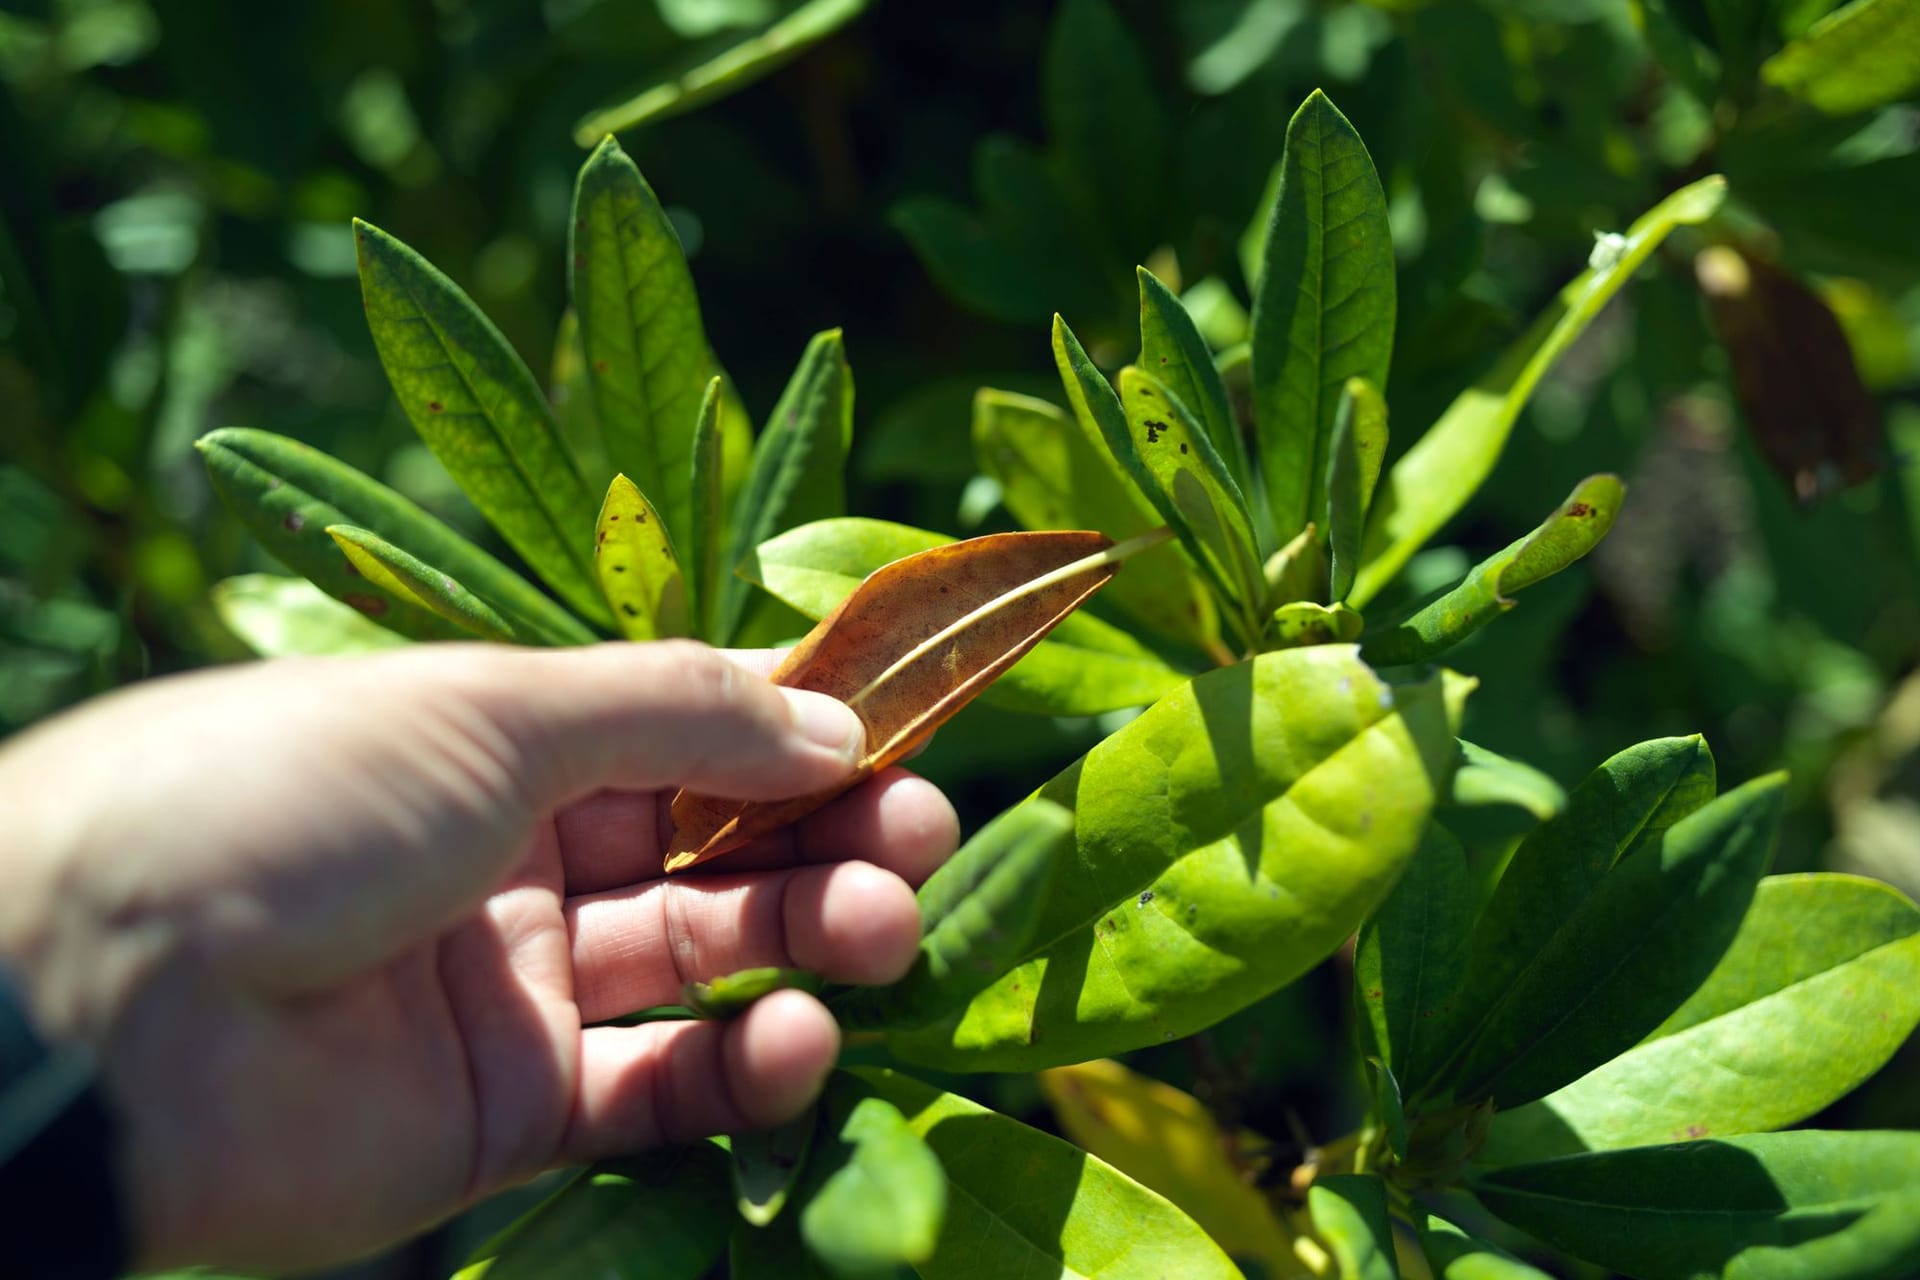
(339, 929)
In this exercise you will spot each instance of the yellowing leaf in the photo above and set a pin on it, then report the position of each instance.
(1167, 1141)
(911, 646)
(634, 561)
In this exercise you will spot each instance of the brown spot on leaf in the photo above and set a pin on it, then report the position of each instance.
(619, 568)
(1579, 509)
(600, 366)
(629, 610)
(372, 606)
(294, 522)
(1183, 446)
(434, 406)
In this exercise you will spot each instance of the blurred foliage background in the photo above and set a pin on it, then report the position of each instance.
(176, 179)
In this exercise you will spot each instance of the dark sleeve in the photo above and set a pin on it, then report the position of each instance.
(59, 1197)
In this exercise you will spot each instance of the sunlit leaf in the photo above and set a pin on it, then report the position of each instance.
(1172, 349)
(1770, 1206)
(1358, 450)
(1819, 988)
(407, 577)
(1167, 1141)
(708, 486)
(883, 1196)
(1350, 1213)
(473, 401)
(1487, 778)
(640, 331)
(732, 993)
(1020, 1202)
(1856, 58)
(1435, 478)
(1323, 310)
(638, 571)
(766, 1163)
(1575, 528)
(284, 617)
(1455, 1255)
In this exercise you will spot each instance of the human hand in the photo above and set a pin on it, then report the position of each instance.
(339, 929)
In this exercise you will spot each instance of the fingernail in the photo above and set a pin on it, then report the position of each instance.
(827, 722)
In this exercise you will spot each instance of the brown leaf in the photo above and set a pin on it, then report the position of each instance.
(1813, 420)
(912, 645)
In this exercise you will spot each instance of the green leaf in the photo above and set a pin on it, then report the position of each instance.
(1172, 349)
(1350, 1214)
(573, 409)
(1635, 794)
(1409, 958)
(767, 1163)
(1455, 1255)
(661, 1215)
(1083, 667)
(1651, 931)
(1104, 126)
(640, 331)
(283, 617)
(1022, 1203)
(1805, 1205)
(1861, 56)
(1323, 309)
(1567, 535)
(732, 993)
(1353, 469)
(633, 557)
(1819, 988)
(1388, 1105)
(739, 65)
(1486, 778)
(1304, 622)
(473, 401)
(1055, 473)
(1445, 467)
(977, 914)
(408, 578)
(288, 494)
(1183, 477)
(884, 1197)
(1226, 840)
(709, 509)
(798, 466)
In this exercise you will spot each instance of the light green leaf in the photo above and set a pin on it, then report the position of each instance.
(977, 914)
(1573, 530)
(283, 617)
(633, 557)
(733, 993)
(1805, 1205)
(883, 1197)
(1409, 958)
(1819, 988)
(1350, 1213)
(640, 331)
(1862, 55)
(1650, 932)
(1445, 467)
(473, 401)
(1635, 794)
(1353, 469)
(1083, 667)
(573, 408)
(738, 66)
(1187, 483)
(767, 1163)
(1172, 349)
(1323, 309)
(288, 494)
(708, 486)
(1486, 778)
(1226, 840)
(661, 1215)
(407, 577)
(1455, 1255)
(1022, 1203)
(1055, 473)
(1304, 622)
(798, 467)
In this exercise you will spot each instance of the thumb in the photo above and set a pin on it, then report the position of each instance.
(653, 716)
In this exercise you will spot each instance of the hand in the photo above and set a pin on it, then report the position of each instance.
(339, 929)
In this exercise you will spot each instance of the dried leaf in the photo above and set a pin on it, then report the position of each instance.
(910, 647)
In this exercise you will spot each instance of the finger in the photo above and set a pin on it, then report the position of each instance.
(676, 1081)
(610, 839)
(897, 820)
(647, 716)
(635, 948)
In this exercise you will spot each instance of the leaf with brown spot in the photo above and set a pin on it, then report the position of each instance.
(633, 558)
(911, 646)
